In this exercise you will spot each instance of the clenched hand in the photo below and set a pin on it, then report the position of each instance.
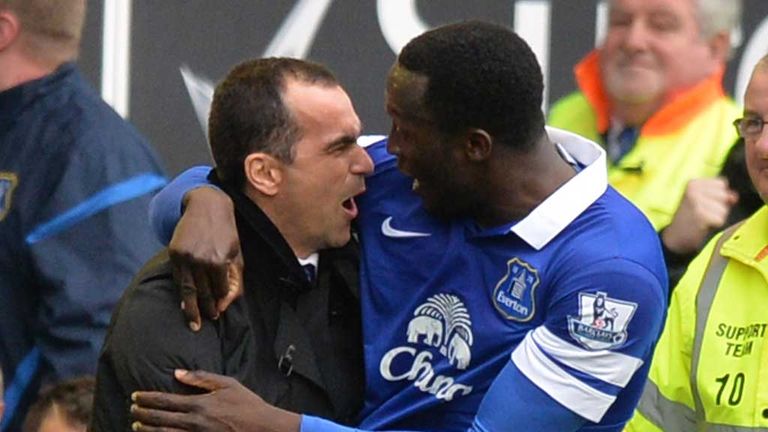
(205, 255)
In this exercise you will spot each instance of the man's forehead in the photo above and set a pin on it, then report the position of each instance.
(304, 96)
(405, 93)
(297, 85)
(654, 6)
(757, 90)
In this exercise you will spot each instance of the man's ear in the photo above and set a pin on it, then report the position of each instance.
(478, 145)
(263, 172)
(9, 28)
(720, 45)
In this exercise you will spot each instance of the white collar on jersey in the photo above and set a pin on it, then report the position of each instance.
(366, 140)
(561, 208)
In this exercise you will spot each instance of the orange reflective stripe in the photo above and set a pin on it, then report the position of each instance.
(676, 113)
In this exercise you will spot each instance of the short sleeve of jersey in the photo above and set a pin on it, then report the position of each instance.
(601, 327)
(165, 208)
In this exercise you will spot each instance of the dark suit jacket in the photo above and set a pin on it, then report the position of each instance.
(297, 345)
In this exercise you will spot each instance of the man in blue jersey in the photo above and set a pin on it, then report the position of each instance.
(486, 241)
(75, 184)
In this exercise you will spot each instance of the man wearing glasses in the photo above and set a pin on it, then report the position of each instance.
(709, 370)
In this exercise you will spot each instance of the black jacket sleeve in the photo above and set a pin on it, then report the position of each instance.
(148, 338)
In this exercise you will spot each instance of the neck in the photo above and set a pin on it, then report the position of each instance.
(290, 228)
(16, 69)
(517, 183)
(634, 114)
(631, 113)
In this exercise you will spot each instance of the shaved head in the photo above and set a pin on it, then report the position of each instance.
(50, 29)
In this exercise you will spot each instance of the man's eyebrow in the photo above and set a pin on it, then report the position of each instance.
(412, 118)
(343, 141)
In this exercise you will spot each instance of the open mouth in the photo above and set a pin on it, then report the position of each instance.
(350, 207)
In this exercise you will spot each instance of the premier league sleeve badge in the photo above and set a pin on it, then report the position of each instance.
(514, 294)
(602, 321)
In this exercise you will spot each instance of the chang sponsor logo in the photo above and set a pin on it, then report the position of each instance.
(441, 324)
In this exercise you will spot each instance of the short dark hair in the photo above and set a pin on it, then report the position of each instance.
(74, 399)
(248, 114)
(480, 75)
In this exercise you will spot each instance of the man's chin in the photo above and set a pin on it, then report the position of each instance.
(339, 240)
(636, 95)
(639, 89)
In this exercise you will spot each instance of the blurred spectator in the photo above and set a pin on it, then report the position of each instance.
(65, 407)
(709, 369)
(653, 95)
(75, 180)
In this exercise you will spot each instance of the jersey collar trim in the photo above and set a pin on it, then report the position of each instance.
(561, 208)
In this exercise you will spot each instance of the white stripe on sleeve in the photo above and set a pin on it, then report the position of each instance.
(609, 366)
(569, 391)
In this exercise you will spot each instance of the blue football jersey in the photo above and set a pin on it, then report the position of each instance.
(574, 294)
(547, 323)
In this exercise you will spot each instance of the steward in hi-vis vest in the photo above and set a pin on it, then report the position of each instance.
(687, 139)
(707, 367)
(709, 371)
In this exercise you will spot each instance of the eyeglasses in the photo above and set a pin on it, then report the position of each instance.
(749, 127)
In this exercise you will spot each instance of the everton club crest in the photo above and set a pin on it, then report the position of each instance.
(602, 321)
(514, 294)
(7, 185)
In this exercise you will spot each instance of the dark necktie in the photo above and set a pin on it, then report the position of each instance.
(623, 144)
(309, 270)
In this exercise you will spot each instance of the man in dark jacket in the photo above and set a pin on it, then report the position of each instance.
(75, 185)
(283, 135)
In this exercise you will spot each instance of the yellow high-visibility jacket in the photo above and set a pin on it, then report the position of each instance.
(710, 368)
(687, 138)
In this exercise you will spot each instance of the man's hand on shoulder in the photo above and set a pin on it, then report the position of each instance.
(205, 254)
(227, 406)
